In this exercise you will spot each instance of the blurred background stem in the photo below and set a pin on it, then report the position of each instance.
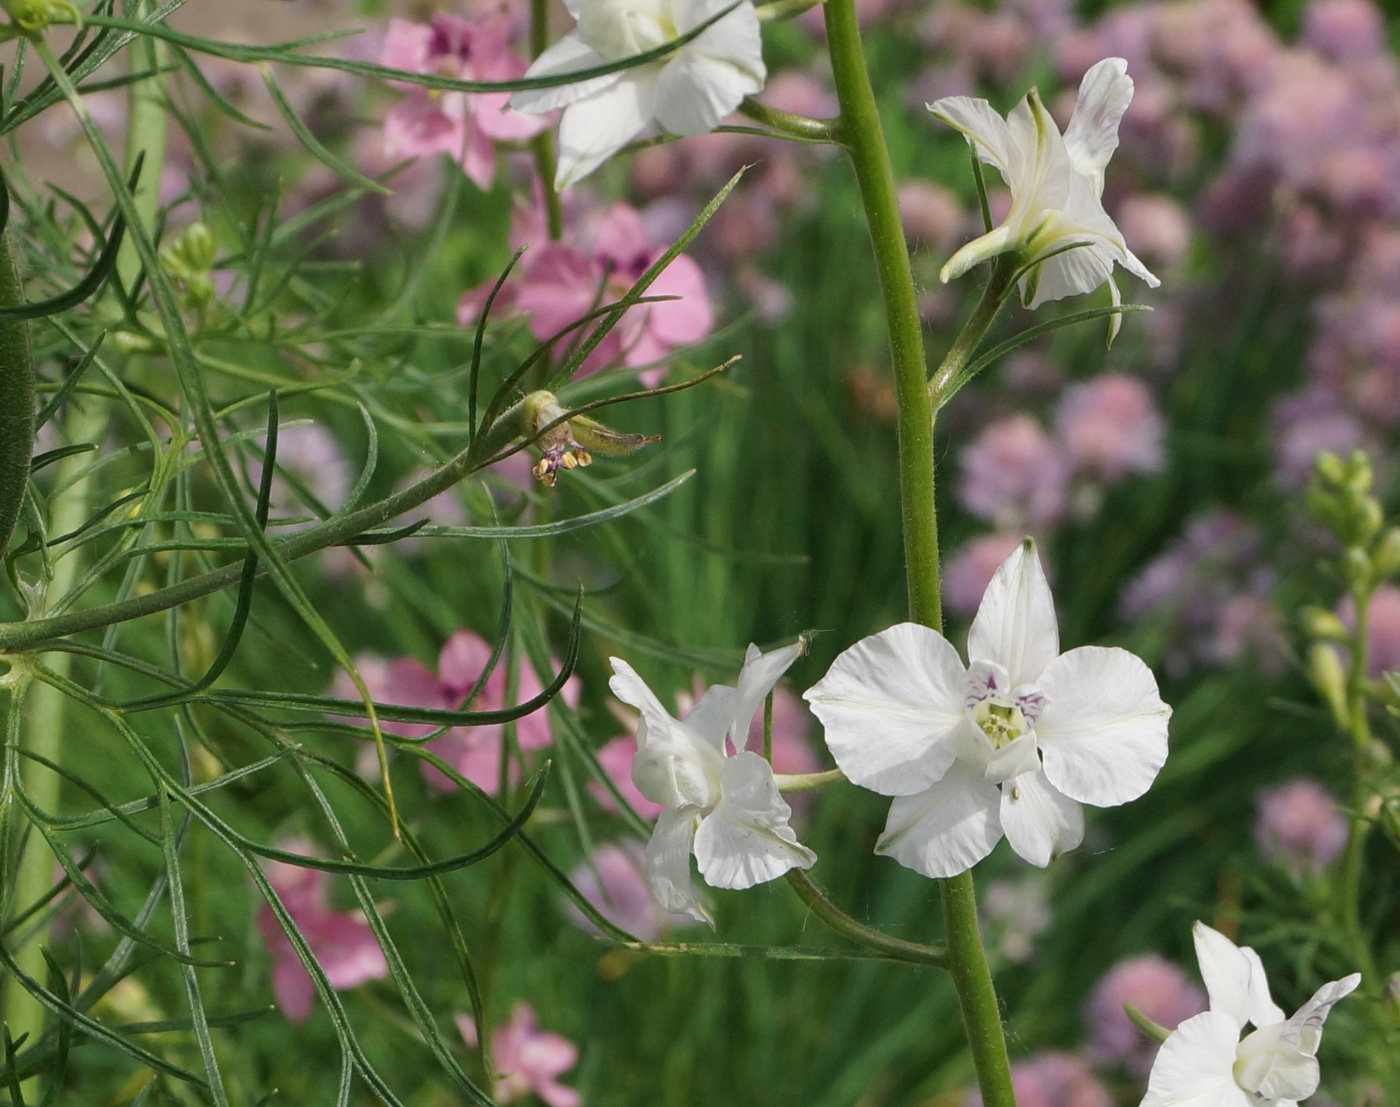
(865, 143)
(1349, 891)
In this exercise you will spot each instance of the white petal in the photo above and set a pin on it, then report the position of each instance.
(736, 38)
(569, 55)
(1040, 822)
(946, 829)
(1306, 1024)
(1234, 979)
(595, 128)
(1092, 134)
(1193, 1067)
(1071, 273)
(1015, 624)
(1271, 1068)
(713, 715)
(983, 127)
(746, 839)
(1041, 172)
(1014, 759)
(760, 673)
(668, 864)
(890, 704)
(632, 690)
(1103, 730)
(694, 92)
(994, 242)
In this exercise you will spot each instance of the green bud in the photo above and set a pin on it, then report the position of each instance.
(1327, 677)
(1324, 506)
(1369, 518)
(1318, 622)
(1359, 475)
(1386, 557)
(1355, 566)
(192, 254)
(1330, 468)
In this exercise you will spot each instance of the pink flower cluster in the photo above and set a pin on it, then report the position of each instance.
(614, 881)
(1156, 987)
(528, 1059)
(463, 125)
(475, 751)
(560, 282)
(1052, 1079)
(1298, 827)
(342, 941)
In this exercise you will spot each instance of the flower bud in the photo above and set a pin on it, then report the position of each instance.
(1386, 558)
(1368, 518)
(1355, 566)
(1318, 622)
(1330, 468)
(1328, 678)
(1359, 474)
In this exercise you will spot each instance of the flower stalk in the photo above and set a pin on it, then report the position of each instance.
(864, 141)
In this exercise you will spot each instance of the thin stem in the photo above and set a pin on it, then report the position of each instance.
(806, 782)
(542, 144)
(949, 376)
(863, 935)
(1349, 885)
(145, 135)
(796, 126)
(861, 132)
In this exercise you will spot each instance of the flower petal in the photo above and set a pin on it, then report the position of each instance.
(1040, 822)
(889, 705)
(569, 55)
(1193, 1067)
(632, 690)
(981, 125)
(1234, 979)
(598, 126)
(694, 92)
(1092, 134)
(1307, 1022)
(1015, 624)
(947, 828)
(713, 715)
(668, 864)
(761, 672)
(1103, 731)
(746, 839)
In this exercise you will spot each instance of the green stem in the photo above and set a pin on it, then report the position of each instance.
(1349, 886)
(797, 126)
(843, 924)
(865, 143)
(542, 143)
(860, 128)
(145, 134)
(950, 375)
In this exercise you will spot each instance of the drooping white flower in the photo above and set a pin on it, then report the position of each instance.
(723, 806)
(1011, 743)
(687, 92)
(1203, 1062)
(1056, 184)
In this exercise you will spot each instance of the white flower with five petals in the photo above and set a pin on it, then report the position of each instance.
(1203, 1062)
(723, 806)
(686, 92)
(1012, 743)
(1056, 184)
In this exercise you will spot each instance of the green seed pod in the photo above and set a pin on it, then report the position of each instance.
(16, 398)
(1386, 556)
(1355, 566)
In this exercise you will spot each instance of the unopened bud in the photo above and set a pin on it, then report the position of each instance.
(1318, 622)
(1323, 506)
(1386, 558)
(1368, 519)
(1327, 677)
(1330, 467)
(1359, 475)
(1355, 566)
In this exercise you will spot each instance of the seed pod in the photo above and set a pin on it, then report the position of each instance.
(16, 398)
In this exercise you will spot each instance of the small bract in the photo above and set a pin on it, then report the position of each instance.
(1056, 184)
(1011, 743)
(1203, 1062)
(723, 806)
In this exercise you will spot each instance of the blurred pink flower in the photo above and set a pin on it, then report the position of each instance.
(970, 570)
(309, 454)
(616, 760)
(1110, 427)
(1382, 629)
(1052, 1080)
(1344, 30)
(1158, 227)
(1014, 475)
(1298, 826)
(342, 941)
(619, 890)
(1156, 987)
(559, 284)
(1305, 424)
(463, 125)
(932, 215)
(528, 1059)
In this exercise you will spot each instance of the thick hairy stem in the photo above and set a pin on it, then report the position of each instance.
(864, 140)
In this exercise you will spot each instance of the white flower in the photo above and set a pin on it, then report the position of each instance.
(1203, 1063)
(1010, 744)
(725, 807)
(687, 92)
(1056, 184)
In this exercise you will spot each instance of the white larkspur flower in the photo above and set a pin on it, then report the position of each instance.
(687, 92)
(1203, 1062)
(724, 807)
(1056, 184)
(1011, 743)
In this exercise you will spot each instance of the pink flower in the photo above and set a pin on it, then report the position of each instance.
(1014, 476)
(560, 283)
(1110, 427)
(615, 883)
(932, 215)
(1157, 988)
(1382, 629)
(1157, 226)
(1297, 826)
(1306, 424)
(967, 574)
(1344, 30)
(616, 760)
(1052, 1080)
(342, 941)
(465, 126)
(529, 1059)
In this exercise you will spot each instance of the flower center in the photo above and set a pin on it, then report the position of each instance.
(1001, 723)
(621, 28)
